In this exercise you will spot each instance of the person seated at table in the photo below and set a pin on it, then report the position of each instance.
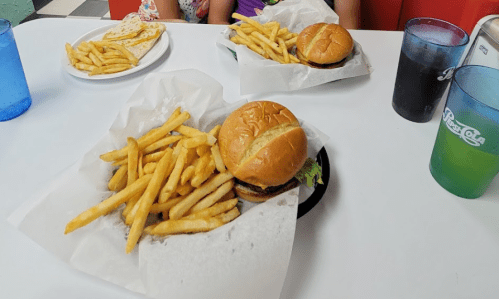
(347, 10)
(187, 11)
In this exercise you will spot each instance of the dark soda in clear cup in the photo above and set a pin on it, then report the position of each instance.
(430, 51)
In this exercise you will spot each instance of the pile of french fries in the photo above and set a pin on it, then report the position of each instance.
(173, 174)
(268, 39)
(100, 57)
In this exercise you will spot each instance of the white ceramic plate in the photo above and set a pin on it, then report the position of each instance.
(154, 54)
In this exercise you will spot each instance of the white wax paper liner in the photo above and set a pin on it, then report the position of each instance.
(258, 74)
(247, 258)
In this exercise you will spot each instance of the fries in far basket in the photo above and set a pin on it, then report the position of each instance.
(186, 189)
(268, 39)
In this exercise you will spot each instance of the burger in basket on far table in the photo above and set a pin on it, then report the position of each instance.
(264, 147)
(323, 45)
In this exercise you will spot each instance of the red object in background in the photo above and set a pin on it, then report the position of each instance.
(380, 15)
(120, 8)
(462, 13)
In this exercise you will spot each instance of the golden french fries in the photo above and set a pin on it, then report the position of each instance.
(268, 40)
(108, 205)
(97, 58)
(173, 174)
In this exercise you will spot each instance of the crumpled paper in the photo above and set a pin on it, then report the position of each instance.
(247, 258)
(258, 74)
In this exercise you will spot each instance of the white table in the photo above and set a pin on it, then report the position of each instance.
(384, 229)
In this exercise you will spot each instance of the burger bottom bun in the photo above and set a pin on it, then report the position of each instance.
(335, 65)
(256, 194)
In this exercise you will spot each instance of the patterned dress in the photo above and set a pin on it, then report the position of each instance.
(193, 11)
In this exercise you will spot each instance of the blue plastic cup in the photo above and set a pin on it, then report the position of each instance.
(431, 49)
(14, 93)
(465, 158)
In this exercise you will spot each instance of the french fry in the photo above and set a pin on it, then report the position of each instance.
(157, 208)
(196, 141)
(217, 157)
(204, 174)
(211, 199)
(169, 139)
(95, 50)
(229, 195)
(229, 216)
(170, 227)
(82, 58)
(149, 228)
(150, 167)
(273, 33)
(182, 207)
(153, 157)
(141, 168)
(250, 44)
(95, 59)
(174, 177)
(69, 52)
(109, 69)
(120, 48)
(150, 138)
(145, 202)
(133, 160)
(187, 174)
(215, 130)
(285, 53)
(107, 205)
(118, 180)
(267, 41)
(202, 149)
(214, 210)
(131, 208)
(184, 189)
(250, 21)
(84, 67)
(83, 46)
(192, 132)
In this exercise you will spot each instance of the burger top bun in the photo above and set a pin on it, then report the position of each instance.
(262, 144)
(324, 43)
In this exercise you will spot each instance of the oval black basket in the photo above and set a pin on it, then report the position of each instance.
(319, 189)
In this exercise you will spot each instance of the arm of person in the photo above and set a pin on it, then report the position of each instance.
(171, 20)
(349, 13)
(168, 10)
(220, 11)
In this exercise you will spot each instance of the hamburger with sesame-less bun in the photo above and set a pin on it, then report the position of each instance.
(263, 146)
(324, 45)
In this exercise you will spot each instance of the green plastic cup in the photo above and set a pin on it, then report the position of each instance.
(465, 158)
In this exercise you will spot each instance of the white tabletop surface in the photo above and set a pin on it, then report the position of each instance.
(384, 229)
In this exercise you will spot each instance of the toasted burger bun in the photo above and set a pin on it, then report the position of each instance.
(257, 194)
(262, 144)
(324, 44)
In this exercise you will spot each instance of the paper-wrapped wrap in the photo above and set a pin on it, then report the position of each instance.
(246, 258)
(258, 74)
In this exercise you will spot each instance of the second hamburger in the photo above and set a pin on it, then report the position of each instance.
(324, 45)
(263, 146)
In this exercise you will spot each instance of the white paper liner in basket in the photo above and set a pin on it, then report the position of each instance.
(247, 258)
(258, 74)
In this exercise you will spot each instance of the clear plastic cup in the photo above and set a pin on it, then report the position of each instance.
(431, 49)
(465, 158)
(14, 93)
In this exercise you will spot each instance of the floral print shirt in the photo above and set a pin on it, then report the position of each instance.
(193, 11)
